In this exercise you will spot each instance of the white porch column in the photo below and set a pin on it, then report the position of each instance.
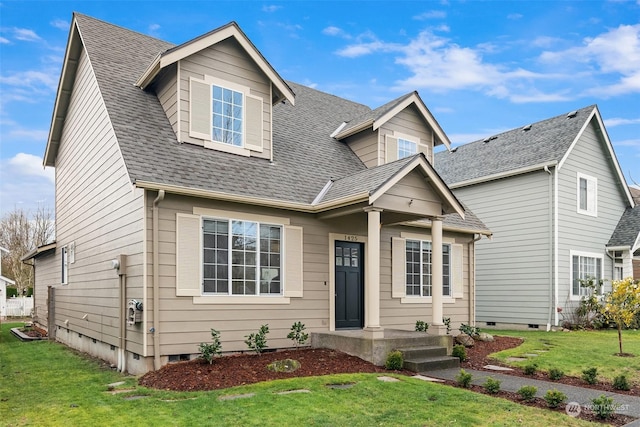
(372, 274)
(436, 271)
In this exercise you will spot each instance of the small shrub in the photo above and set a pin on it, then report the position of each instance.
(464, 379)
(297, 334)
(395, 361)
(209, 351)
(555, 374)
(554, 398)
(258, 341)
(590, 375)
(421, 326)
(621, 383)
(447, 323)
(460, 352)
(472, 331)
(527, 392)
(603, 406)
(492, 386)
(530, 369)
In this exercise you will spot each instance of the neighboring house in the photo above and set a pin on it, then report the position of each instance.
(197, 189)
(552, 193)
(4, 281)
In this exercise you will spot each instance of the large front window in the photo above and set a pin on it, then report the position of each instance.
(583, 268)
(227, 116)
(419, 268)
(241, 257)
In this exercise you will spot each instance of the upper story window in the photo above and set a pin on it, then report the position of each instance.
(227, 116)
(406, 148)
(587, 189)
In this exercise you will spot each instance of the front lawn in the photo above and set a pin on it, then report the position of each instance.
(574, 351)
(46, 384)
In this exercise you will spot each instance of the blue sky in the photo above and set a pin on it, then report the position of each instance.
(481, 67)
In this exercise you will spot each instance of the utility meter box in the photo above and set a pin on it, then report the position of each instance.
(134, 312)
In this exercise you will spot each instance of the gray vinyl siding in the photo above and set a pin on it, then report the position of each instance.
(228, 61)
(513, 269)
(47, 273)
(183, 324)
(581, 232)
(366, 146)
(166, 89)
(410, 122)
(97, 208)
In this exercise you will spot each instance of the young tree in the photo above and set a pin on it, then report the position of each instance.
(21, 232)
(622, 304)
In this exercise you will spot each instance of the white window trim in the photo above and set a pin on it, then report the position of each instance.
(64, 269)
(420, 299)
(591, 181)
(409, 138)
(573, 253)
(267, 299)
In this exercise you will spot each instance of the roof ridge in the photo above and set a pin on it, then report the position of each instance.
(120, 27)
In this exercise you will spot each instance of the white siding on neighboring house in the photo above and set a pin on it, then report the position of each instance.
(47, 274)
(97, 210)
(513, 269)
(582, 232)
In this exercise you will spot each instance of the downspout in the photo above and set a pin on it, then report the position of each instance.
(472, 275)
(156, 280)
(551, 299)
(556, 208)
(121, 265)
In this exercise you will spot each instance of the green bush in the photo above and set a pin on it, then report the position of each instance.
(209, 351)
(460, 352)
(464, 378)
(258, 341)
(421, 326)
(527, 392)
(590, 375)
(603, 406)
(12, 292)
(555, 374)
(530, 369)
(554, 398)
(297, 334)
(395, 361)
(469, 330)
(492, 386)
(621, 383)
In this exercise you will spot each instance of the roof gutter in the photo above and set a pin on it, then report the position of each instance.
(422, 224)
(501, 175)
(150, 73)
(352, 131)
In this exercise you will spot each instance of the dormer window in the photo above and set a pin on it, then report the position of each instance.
(227, 116)
(406, 148)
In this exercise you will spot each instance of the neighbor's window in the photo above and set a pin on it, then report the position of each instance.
(406, 148)
(65, 266)
(227, 116)
(587, 195)
(583, 268)
(241, 257)
(419, 268)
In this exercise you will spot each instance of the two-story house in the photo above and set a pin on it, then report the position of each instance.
(553, 193)
(197, 189)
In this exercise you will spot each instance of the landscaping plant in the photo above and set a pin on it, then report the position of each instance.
(421, 326)
(464, 379)
(590, 375)
(460, 352)
(621, 382)
(395, 361)
(554, 398)
(527, 392)
(297, 334)
(492, 386)
(603, 406)
(472, 331)
(530, 369)
(258, 341)
(622, 304)
(213, 349)
(555, 374)
(447, 323)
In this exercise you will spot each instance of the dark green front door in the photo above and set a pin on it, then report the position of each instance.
(349, 285)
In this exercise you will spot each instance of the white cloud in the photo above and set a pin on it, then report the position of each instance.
(28, 165)
(25, 34)
(32, 79)
(4, 41)
(432, 14)
(619, 121)
(514, 16)
(154, 27)
(336, 32)
(271, 8)
(30, 134)
(60, 24)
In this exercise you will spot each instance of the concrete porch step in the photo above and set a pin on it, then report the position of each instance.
(422, 352)
(432, 363)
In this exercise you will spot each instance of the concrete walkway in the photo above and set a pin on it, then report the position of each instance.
(627, 405)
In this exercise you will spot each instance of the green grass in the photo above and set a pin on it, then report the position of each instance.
(45, 384)
(574, 351)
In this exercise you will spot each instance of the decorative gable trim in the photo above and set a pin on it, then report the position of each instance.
(196, 45)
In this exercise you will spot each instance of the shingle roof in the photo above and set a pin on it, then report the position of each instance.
(455, 221)
(628, 228)
(546, 141)
(374, 114)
